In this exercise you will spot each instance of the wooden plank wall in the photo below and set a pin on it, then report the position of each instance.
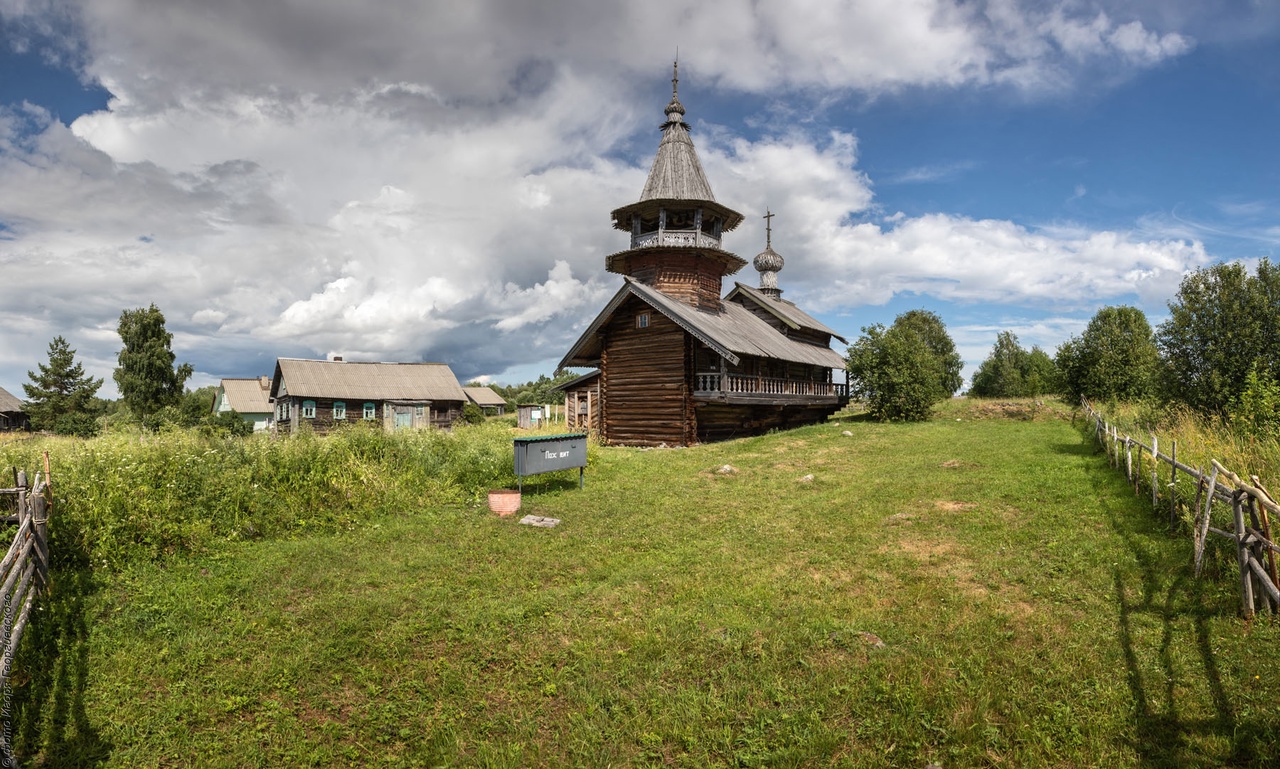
(645, 393)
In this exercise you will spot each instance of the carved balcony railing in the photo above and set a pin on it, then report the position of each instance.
(742, 384)
(694, 238)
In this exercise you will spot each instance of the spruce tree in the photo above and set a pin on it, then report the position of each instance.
(60, 390)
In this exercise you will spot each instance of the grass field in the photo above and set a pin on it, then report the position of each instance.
(978, 590)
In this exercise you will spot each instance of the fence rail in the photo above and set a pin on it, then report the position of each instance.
(24, 572)
(1252, 508)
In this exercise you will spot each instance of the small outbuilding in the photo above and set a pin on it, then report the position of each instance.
(488, 400)
(581, 402)
(250, 398)
(321, 394)
(13, 415)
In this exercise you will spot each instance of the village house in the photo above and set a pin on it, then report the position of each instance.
(678, 363)
(12, 412)
(319, 395)
(489, 401)
(250, 398)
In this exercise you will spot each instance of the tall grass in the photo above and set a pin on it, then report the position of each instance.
(1200, 439)
(120, 498)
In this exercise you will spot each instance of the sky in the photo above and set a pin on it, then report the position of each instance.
(413, 180)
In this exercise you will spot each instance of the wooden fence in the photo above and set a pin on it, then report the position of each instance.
(24, 572)
(1252, 508)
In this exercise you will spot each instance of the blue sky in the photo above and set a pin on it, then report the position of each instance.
(410, 182)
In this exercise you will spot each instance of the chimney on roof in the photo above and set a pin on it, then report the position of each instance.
(264, 382)
(337, 359)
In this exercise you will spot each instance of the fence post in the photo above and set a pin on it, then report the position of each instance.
(1128, 460)
(1155, 469)
(1242, 557)
(1173, 487)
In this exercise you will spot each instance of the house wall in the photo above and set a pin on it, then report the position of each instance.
(442, 414)
(645, 380)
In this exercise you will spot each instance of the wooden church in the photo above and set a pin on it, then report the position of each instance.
(679, 363)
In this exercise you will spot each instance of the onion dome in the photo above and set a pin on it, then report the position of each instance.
(769, 262)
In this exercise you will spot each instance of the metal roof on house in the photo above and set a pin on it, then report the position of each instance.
(483, 396)
(785, 311)
(8, 403)
(373, 381)
(248, 396)
(733, 332)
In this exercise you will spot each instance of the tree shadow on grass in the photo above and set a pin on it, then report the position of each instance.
(52, 671)
(1166, 736)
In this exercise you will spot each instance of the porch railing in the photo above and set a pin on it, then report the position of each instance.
(742, 384)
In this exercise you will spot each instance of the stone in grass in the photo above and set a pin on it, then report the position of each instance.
(537, 520)
(726, 470)
(846, 432)
(807, 478)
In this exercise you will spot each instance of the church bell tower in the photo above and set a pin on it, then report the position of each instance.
(676, 227)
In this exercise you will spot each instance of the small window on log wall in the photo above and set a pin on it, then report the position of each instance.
(642, 320)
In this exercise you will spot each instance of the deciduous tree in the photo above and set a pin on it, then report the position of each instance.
(1114, 359)
(1223, 323)
(902, 371)
(146, 375)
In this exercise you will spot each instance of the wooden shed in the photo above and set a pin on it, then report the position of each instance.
(582, 402)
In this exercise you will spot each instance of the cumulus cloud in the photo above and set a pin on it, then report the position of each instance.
(407, 180)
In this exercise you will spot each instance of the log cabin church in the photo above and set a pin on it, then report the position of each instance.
(678, 363)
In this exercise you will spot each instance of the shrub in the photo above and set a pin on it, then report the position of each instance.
(472, 414)
(904, 370)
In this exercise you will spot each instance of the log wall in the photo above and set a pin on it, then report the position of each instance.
(645, 390)
(720, 421)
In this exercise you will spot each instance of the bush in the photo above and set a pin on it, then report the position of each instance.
(78, 424)
(904, 370)
(1256, 411)
(472, 414)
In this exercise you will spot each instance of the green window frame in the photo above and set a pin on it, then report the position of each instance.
(308, 409)
(339, 410)
(370, 410)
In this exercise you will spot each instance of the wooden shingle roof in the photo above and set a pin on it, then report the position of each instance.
(372, 381)
(10, 404)
(732, 333)
(676, 177)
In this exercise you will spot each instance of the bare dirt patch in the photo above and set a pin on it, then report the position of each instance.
(950, 506)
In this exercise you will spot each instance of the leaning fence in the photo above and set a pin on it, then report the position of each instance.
(1251, 505)
(24, 572)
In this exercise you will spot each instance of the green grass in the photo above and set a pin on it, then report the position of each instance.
(1033, 613)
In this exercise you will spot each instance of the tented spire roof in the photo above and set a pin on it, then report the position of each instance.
(676, 173)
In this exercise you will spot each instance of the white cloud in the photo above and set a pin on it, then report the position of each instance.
(407, 179)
